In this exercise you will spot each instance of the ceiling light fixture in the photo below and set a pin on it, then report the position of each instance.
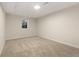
(37, 7)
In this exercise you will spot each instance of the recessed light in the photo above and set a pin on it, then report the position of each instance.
(37, 7)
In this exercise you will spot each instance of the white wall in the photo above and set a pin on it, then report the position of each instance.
(14, 29)
(2, 29)
(62, 26)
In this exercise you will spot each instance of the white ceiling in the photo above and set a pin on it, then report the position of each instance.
(27, 8)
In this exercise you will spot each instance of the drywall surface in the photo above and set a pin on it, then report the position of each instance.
(2, 29)
(15, 30)
(62, 26)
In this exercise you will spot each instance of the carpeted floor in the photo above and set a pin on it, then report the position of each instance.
(37, 47)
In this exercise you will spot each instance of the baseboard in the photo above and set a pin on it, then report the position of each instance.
(65, 43)
(22, 37)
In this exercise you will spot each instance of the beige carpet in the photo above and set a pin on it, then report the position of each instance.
(37, 47)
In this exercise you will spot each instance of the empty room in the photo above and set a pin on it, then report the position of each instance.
(39, 29)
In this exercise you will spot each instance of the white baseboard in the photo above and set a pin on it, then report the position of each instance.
(65, 43)
(22, 37)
